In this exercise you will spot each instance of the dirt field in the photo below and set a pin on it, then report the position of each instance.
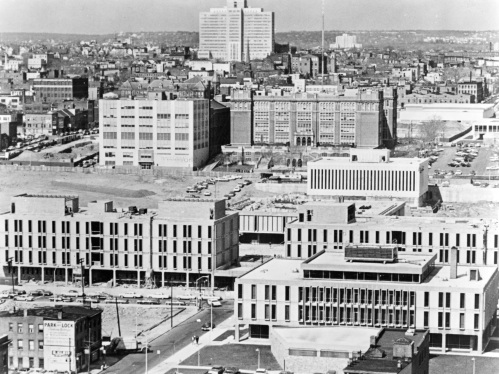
(146, 317)
(141, 191)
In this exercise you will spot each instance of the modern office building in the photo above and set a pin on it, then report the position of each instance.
(146, 133)
(60, 89)
(324, 224)
(374, 284)
(369, 173)
(236, 32)
(304, 119)
(53, 338)
(345, 41)
(48, 236)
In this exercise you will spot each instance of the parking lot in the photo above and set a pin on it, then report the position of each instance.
(478, 165)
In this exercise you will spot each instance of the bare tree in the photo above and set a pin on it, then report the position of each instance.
(432, 128)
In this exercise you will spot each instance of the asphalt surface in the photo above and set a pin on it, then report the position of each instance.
(181, 335)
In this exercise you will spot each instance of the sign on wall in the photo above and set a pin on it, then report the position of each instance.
(59, 345)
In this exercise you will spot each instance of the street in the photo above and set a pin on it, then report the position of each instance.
(181, 335)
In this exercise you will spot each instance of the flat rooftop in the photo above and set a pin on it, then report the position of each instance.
(376, 207)
(50, 312)
(289, 270)
(324, 161)
(331, 338)
(406, 264)
(450, 106)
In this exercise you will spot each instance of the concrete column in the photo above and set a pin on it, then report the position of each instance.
(236, 333)
(162, 279)
(89, 277)
(42, 269)
(187, 284)
(443, 343)
(114, 277)
(66, 275)
(138, 278)
(19, 275)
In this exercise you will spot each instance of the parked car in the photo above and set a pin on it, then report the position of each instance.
(4, 295)
(261, 371)
(207, 193)
(186, 297)
(117, 301)
(237, 189)
(229, 370)
(215, 370)
(231, 194)
(130, 295)
(214, 303)
(148, 301)
(36, 293)
(458, 172)
(55, 298)
(72, 293)
(484, 185)
(24, 298)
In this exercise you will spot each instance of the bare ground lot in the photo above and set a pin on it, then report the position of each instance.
(106, 186)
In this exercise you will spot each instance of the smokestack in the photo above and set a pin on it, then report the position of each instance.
(453, 263)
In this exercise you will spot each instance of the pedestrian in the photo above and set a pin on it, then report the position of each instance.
(193, 337)
(197, 339)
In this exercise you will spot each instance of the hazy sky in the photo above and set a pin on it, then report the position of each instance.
(108, 16)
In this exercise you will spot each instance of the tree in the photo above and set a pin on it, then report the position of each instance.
(432, 128)
(454, 74)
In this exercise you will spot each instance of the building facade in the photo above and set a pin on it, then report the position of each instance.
(4, 354)
(369, 173)
(178, 242)
(471, 88)
(53, 338)
(146, 133)
(372, 284)
(236, 32)
(304, 119)
(40, 123)
(346, 41)
(59, 89)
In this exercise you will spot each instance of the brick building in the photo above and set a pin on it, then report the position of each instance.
(59, 89)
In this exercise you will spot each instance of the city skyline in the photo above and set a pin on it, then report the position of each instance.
(110, 16)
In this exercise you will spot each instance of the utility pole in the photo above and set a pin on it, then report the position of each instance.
(11, 270)
(89, 349)
(117, 315)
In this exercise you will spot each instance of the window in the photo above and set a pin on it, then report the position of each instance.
(31, 345)
(440, 299)
(20, 344)
(461, 320)
(477, 301)
(447, 320)
(286, 313)
(286, 293)
(19, 328)
(267, 312)
(462, 301)
(273, 310)
(426, 299)
(240, 311)
(240, 291)
(274, 293)
(11, 326)
(440, 319)
(447, 300)
(426, 319)
(253, 311)
(253, 291)
(476, 322)
(31, 328)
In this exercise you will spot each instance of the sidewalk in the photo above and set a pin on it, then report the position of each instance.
(173, 361)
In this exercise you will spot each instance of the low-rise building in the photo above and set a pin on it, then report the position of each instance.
(369, 173)
(40, 123)
(53, 338)
(4, 354)
(47, 237)
(59, 89)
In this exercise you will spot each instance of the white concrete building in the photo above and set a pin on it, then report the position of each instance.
(230, 33)
(346, 41)
(146, 133)
(417, 113)
(369, 173)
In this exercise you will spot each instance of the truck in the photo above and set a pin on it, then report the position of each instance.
(120, 345)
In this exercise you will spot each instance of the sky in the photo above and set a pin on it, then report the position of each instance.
(110, 16)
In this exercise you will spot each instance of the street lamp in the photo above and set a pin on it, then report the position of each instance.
(11, 271)
(473, 360)
(196, 286)
(258, 351)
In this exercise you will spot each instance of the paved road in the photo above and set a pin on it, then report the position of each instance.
(181, 335)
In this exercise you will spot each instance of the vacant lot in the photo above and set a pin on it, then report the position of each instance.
(124, 190)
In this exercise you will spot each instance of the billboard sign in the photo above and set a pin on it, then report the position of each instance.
(59, 345)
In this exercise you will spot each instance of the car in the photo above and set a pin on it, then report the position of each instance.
(458, 172)
(207, 327)
(46, 293)
(192, 196)
(261, 371)
(160, 296)
(222, 179)
(450, 173)
(93, 300)
(36, 293)
(130, 295)
(55, 298)
(215, 370)
(484, 185)
(228, 197)
(191, 190)
(495, 185)
(229, 370)
(231, 194)
(207, 193)
(492, 168)
(211, 181)
(210, 297)
(148, 301)
(235, 176)
(24, 298)
(116, 301)
(236, 189)
(214, 303)
(473, 172)
(72, 293)
(186, 297)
